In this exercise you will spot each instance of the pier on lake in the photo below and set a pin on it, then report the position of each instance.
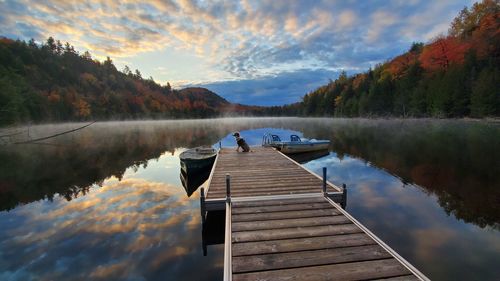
(283, 222)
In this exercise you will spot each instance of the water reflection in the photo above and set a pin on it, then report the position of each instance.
(413, 223)
(123, 229)
(213, 230)
(193, 180)
(309, 156)
(107, 202)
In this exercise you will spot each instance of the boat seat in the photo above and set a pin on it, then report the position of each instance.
(275, 138)
(295, 138)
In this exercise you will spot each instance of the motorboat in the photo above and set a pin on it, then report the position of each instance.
(197, 158)
(295, 145)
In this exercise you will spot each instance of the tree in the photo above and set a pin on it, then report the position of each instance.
(468, 20)
(138, 74)
(485, 99)
(416, 47)
(443, 52)
(87, 56)
(51, 44)
(127, 71)
(108, 65)
(68, 49)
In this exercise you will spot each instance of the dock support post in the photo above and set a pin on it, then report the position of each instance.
(324, 181)
(220, 144)
(344, 196)
(202, 205)
(228, 188)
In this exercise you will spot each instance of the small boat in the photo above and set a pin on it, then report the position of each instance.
(295, 145)
(197, 158)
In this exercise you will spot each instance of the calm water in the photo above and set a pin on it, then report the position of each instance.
(107, 202)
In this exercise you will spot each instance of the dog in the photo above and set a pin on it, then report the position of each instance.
(241, 143)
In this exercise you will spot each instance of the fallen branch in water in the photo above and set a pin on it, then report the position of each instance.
(56, 135)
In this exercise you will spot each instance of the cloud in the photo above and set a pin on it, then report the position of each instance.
(284, 87)
(235, 40)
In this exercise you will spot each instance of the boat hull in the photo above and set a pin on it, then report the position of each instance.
(198, 158)
(192, 166)
(291, 148)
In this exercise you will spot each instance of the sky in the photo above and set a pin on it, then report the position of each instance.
(268, 52)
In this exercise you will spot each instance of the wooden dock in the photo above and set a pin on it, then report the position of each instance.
(282, 223)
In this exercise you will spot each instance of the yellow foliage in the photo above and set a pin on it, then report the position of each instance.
(338, 100)
(82, 108)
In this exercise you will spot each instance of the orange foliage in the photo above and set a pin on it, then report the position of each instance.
(135, 100)
(199, 104)
(399, 65)
(360, 78)
(53, 97)
(486, 38)
(183, 104)
(4, 40)
(82, 108)
(443, 52)
(155, 106)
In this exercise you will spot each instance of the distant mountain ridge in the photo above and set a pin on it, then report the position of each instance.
(210, 98)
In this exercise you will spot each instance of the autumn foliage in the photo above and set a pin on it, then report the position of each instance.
(52, 82)
(454, 75)
(443, 52)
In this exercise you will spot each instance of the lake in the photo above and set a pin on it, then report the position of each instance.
(107, 202)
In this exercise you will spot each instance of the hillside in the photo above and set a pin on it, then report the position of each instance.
(456, 75)
(53, 82)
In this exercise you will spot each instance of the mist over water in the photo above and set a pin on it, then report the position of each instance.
(106, 202)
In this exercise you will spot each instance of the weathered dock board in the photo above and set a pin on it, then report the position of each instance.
(262, 172)
(282, 223)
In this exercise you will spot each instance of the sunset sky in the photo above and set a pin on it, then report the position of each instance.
(252, 52)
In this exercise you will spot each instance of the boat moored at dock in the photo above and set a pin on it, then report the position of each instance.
(295, 145)
(198, 158)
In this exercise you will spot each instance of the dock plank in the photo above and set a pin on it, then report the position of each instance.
(286, 223)
(346, 271)
(308, 258)
(285, 215)
(301, 244)
(282, 208)
(294, 232)
(278, 202)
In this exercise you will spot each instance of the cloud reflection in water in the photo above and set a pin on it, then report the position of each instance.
(133, 229)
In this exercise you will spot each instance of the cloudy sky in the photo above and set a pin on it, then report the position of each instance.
(266, 52)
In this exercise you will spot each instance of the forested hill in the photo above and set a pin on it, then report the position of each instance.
(456, 75)
(52, 82)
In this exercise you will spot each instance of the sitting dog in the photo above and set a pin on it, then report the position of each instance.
(241, 143)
